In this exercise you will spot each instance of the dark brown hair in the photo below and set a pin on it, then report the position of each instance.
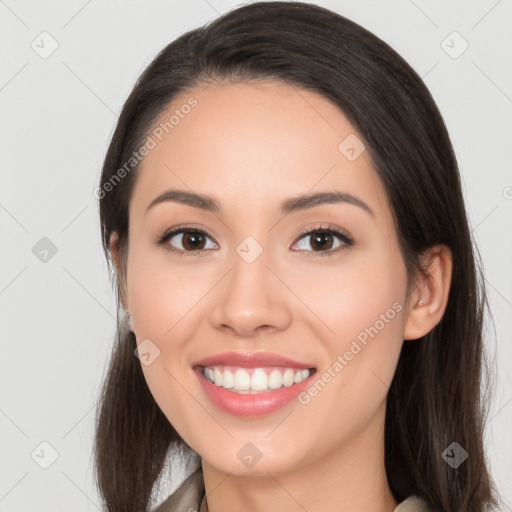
(438, 394)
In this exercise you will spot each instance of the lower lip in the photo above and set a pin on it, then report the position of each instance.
(248, 405)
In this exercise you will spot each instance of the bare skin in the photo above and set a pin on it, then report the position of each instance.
(251, 147)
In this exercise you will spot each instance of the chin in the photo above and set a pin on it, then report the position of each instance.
(255, 465)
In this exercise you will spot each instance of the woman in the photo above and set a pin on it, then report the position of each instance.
(283, 207)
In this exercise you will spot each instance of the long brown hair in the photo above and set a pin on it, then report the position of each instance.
(438, 394)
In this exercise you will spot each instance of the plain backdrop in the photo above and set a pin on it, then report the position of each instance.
(57, 114)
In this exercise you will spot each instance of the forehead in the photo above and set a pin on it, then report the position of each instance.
(251, 144)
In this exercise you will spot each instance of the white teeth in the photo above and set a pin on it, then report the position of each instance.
(275, 379)
(217, 375)
(259, 380)
(288, 376)
(300, 376)
(241, 381)
(228, 380)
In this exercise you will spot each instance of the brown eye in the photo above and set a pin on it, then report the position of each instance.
(190, 240)
(186, 240)
(321, 241)
(324, 241)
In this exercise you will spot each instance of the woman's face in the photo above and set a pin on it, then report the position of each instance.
(252, 281)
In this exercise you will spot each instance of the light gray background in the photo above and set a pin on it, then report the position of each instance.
(57, 115)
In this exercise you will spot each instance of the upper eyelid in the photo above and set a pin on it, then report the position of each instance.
(184, 229)
(329, 228)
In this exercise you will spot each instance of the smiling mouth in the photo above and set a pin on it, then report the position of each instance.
(255, 380)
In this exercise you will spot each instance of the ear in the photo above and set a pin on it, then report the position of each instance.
(433, 293)
(114, 249)
(116, 257)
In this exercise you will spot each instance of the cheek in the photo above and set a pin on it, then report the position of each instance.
(162, 300)
(348, 300)
(362, 311)
(162, 293)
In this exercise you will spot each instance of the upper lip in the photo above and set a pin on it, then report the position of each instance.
(250, 360)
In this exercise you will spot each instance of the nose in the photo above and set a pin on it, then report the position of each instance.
(251, 300)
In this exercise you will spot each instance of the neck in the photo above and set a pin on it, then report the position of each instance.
(350, 477)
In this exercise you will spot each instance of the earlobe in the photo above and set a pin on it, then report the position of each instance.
(114, 249)
(428, 302)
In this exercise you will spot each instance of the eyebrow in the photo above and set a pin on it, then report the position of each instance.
(293, 204)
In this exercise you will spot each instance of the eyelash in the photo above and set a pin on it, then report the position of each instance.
(162, 239)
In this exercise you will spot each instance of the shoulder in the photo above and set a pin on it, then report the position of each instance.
(413, 504)
(186, 497)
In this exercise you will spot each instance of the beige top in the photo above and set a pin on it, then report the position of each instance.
(188, 496)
